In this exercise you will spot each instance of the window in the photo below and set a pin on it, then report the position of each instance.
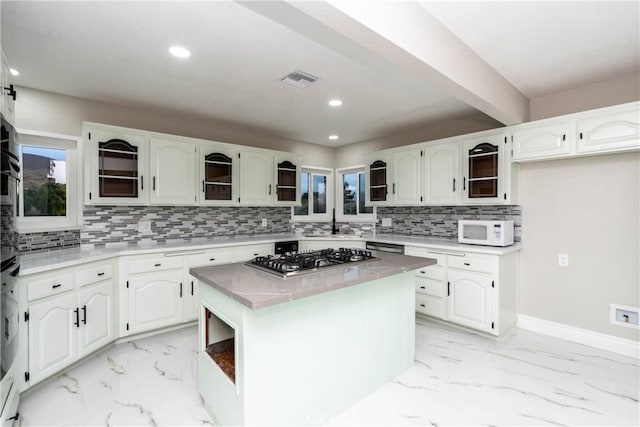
(351, 189)
(48, 189)
(315, 195)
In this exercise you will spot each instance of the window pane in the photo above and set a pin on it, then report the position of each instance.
(361, 197)
(303, 209)
(44, 181)
(349, 183)
(319, 194)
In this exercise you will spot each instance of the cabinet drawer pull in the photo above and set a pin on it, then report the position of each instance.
(157, 265)
(255, 254)
(57, 286)
(212, 259)
(422, 305)
(422, 287)
(422, 272)
(100, 274)
(466, 263)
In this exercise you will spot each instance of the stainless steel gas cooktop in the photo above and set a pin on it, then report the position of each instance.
(291, 264)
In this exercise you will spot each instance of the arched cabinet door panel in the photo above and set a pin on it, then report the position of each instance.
(470, 299)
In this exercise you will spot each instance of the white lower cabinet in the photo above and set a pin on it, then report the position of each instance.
(155, 300)
(65, 327)
(470, 300)
(477, 291)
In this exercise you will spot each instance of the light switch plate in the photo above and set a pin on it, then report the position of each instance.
(144, 226)
(264, 222)
(563, 260)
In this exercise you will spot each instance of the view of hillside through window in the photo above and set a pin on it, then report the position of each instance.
(44, 181)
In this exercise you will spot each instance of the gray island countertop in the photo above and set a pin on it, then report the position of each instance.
(258, 289)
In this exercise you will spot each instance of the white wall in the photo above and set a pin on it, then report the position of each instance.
(50, 112)
(588, 208)
(601, 94)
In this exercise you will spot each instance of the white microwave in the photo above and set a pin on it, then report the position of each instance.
(489, 233)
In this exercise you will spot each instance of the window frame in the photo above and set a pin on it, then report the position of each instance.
(340, 216)
(71, 145)
(320, 217)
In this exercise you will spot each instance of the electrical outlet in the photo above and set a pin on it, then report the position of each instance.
(563, 260)
(264, 222)
(386, 222)
(144, 226)
(622, 315)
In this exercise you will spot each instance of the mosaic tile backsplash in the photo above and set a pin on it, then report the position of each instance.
(442, 221)
(118, 225)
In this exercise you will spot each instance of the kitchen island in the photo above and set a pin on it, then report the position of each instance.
(297, 350)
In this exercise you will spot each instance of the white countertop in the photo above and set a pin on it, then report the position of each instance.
(44, 261)
(258, 289)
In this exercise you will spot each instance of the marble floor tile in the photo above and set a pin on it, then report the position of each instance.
(459, 378)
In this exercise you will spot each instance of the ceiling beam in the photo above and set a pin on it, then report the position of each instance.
(402, 40)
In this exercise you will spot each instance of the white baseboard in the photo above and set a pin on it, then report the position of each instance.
(582, 336)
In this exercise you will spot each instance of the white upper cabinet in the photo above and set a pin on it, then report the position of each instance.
(407, 177)
(617, 129)
(218, 175)
(378, 177)
(286, 180)
(173, 166)
(7, 98)
(117, 167)
(533, 141)
(441, 172)
(486, 170)
(256, 178)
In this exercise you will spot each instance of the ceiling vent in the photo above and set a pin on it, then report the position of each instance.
(299, 79)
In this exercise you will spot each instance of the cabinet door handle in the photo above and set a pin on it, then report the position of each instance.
(180, 289)
(203, 185)
(100, 274)
(212, 259)
(422, 305)
(6, 327)
(57, 286)
(153, 183)
(84, 314)
(454, 184)
(77, 323)
(421, 287)
(269, 189)
(157, 265)
(141, 182)
(580, 135)
(448, 288)
(192, 288)
(466, 263)
(464, 183)
(564, 137)
(422, 272)
(394, 188)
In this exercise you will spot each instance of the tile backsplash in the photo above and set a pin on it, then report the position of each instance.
(118, 225)
(442, 221)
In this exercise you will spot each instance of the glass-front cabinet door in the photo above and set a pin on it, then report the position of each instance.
(218, 175)
(118, 167)
(378, 177)
(484, 175)
(287, 181)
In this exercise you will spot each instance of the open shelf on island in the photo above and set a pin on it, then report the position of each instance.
(220, 344)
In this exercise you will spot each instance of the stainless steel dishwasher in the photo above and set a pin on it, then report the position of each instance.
(385, 247)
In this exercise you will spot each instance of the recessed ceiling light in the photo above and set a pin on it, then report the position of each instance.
(333, 137)
(14, 72)
(335, 103)
(179, 52)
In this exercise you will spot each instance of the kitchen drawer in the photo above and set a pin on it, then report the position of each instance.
(96, 273)
(431, 306)
(245, 253)
(154, 264)
(434, 272)
(48, 286)
(211, 257)
(473, 263)
(434, 288)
